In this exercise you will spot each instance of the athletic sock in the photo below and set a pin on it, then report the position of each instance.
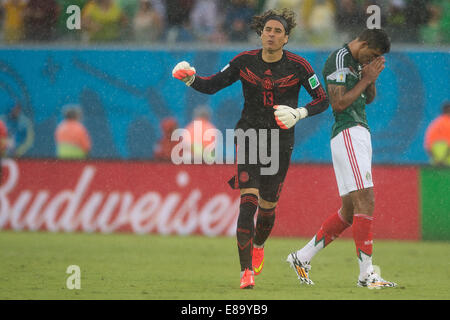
(264, 225)
(245, 229)
(362, 234)
(331, 228)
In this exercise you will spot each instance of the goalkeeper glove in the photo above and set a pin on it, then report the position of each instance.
(184, 72)
(287, 117)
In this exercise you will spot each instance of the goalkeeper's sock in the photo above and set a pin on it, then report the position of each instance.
(363, 237)
(331, 228)
(264, 225)
(245, 229)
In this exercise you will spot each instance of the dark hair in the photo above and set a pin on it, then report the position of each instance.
(258, 22)
(446, 107)
(376, 39)
(72, 111)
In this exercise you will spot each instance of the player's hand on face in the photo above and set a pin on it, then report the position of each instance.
(184, 72)
(379, 63)
(372, 70)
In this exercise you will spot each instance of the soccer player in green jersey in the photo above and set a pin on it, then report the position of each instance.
(350, 74)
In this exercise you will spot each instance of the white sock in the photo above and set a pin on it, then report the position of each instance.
(310, 250)
(365, 266)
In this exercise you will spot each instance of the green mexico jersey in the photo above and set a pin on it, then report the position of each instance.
(342, 69)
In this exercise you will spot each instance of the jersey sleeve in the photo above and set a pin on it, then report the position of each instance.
(312, 84)
(224, 78)
(336, 70)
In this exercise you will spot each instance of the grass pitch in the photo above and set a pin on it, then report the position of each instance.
(126, 266)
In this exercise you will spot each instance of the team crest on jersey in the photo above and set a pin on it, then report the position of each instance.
(368, 176)
(267, 83)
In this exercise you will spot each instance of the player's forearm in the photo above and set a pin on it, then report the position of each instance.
(342, 99)
(216, 82)
(370, 93)
(319, 104)
(206, 85)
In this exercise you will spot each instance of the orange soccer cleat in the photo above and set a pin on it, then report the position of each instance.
(258, 260)
(247, 280)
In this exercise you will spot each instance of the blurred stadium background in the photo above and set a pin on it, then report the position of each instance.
(120, 75)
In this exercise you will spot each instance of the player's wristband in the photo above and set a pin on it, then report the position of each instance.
(303, 112)
(190, 81)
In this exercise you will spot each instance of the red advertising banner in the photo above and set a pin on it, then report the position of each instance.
(310, 195)
(145, 197)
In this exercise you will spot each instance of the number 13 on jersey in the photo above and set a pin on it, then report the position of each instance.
(268, 98)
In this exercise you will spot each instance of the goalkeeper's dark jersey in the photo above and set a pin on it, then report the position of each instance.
(265, 85)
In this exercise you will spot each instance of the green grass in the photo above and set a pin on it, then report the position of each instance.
(125, 266)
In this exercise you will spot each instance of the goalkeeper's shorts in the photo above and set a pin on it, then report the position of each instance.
(250, 175)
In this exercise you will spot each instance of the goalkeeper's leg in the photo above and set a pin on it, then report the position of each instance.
(244, 234)
(264, 225)
(269, 193)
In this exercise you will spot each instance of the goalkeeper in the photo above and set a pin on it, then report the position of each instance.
(271, 79)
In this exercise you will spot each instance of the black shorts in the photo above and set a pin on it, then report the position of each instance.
(250, 175)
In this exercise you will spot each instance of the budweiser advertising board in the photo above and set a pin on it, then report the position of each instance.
(146, 197)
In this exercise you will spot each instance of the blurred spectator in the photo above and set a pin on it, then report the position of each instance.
(201, 123)
(350, 18)
(445, 21)
(437, 138)
(238, 16)
(437, 30)
(204, 19)
(72, 138)
(417, 14)
(259, 5)
(129, 9)
(21, 132)
(430, 33)
(178, 23)
(396, 21)
(147, 22)
(3, 145)
(163, 149)
(318, 20)
(160, 7)
(278, 4)
(13, 12)
(103, 20)
(41, 17)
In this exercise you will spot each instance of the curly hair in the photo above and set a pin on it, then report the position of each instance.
(258, 22)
